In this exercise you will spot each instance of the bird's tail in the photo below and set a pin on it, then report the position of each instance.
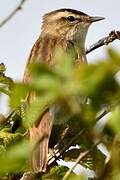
(40, 134)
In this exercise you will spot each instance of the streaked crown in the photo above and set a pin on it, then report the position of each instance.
(63, 19)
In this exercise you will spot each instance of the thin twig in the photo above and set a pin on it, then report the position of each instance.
(113, 35)
(4, 91)
(17, 8)
(58, 152)
(80, 157)
(104, 113)
(27, 176)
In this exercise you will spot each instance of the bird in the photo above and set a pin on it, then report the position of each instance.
(65, 28)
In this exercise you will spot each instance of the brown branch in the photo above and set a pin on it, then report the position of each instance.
(113, 35)
(80, 157)
(17, 8)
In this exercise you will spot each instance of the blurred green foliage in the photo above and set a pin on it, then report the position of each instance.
(5, 82)
(82, 92)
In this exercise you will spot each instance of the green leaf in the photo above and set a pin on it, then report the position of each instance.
(41, 69)
(57, 172)
(7, 139)
(5, 82)
(64, 62)
(114, 56)
(36, 109)
(114, 121)
(19, 93)
(81, 176)
(14, 159)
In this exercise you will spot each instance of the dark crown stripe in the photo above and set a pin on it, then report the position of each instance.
(66, 9)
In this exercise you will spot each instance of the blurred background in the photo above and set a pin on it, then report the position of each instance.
(20, 33)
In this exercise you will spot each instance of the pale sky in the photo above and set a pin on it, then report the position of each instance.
(19, 34)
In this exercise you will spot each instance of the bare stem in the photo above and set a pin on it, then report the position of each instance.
(113, 35)
(17, 8)
(80, 157)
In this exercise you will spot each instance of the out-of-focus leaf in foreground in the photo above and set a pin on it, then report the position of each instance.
(5, 82)
(57, 172)
(66, 84)
(114, 121)
(35, 110)
(15, 158)
(18, 93)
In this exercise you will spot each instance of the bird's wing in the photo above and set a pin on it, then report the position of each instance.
(41, 52)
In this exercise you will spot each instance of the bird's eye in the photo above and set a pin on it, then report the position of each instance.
(71, 18)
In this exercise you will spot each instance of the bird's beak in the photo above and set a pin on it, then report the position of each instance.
(94, 19)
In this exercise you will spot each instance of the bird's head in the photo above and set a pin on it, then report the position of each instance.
(67, 23)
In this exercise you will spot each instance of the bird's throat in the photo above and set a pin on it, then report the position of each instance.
(78, 37)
